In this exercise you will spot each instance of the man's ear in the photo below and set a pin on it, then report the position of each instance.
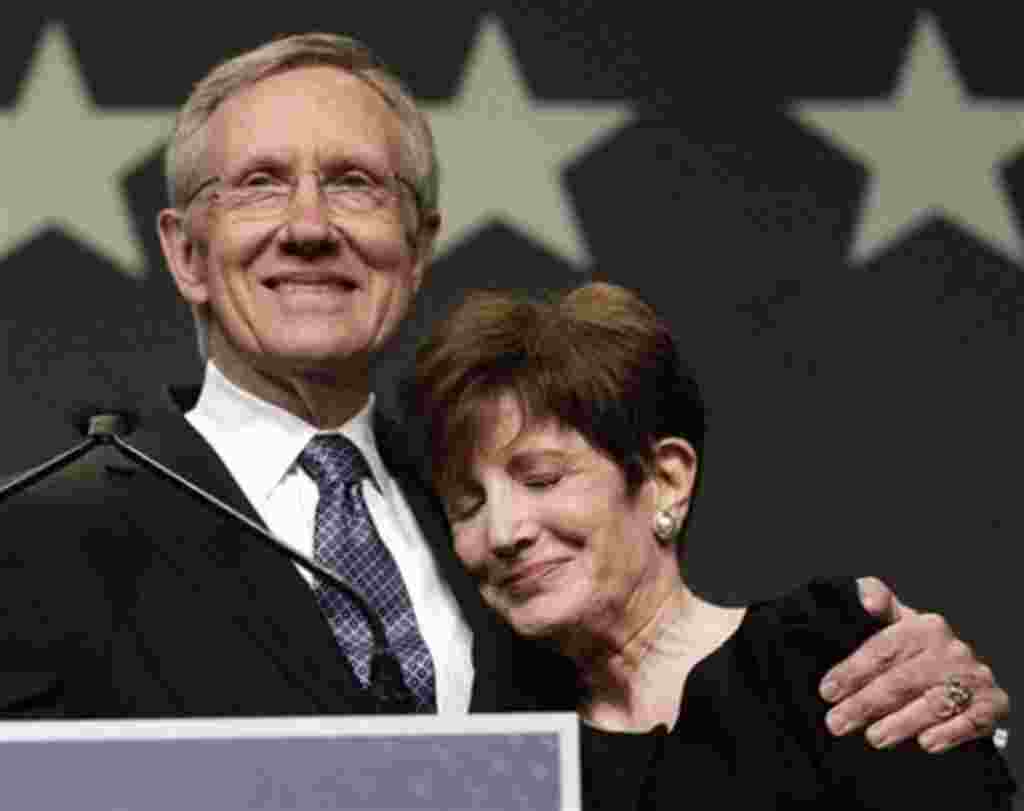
(182, 256)
(425, 240)
(674, 475)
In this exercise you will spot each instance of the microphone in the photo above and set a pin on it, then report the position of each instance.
(386, 686)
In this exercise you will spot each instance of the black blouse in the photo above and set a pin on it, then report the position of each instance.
(751, 731)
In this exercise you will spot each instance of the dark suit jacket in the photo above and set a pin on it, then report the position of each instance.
(122, 596)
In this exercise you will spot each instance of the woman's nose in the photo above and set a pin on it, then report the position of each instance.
(512, 526)
(512, 550)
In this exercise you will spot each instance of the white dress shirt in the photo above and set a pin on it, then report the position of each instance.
(260, 443)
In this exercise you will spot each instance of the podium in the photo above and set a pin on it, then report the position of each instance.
(399, 763)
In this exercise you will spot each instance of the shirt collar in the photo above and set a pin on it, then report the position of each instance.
(260, 442)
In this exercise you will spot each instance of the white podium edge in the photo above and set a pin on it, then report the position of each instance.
(564, 725)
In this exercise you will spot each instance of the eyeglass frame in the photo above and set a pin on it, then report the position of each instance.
(215, 179)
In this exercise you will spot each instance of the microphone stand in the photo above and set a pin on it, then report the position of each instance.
(386, 683)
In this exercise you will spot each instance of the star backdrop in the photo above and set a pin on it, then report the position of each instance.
(826, 205)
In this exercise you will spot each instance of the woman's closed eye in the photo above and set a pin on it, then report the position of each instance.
(542, 481)
(462, 506)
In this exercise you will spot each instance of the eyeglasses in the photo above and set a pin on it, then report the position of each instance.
(264, 196)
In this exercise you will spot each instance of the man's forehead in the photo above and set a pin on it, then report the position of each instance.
(307, 111)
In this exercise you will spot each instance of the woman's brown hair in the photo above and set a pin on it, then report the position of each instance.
(596, 358)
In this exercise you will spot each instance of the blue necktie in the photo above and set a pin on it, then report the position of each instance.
(346, 541)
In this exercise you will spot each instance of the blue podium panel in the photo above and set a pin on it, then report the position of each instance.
(399, 763)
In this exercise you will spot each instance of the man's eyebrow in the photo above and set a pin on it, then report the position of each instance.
(273, 159)
(376, 163)
(365, 156)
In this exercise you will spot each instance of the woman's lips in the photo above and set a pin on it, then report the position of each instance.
(524, 577)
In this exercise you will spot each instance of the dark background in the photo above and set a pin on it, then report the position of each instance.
(865, 414)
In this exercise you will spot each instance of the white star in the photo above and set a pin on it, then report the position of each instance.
(931, 149)
(502, 152)
(63, 159)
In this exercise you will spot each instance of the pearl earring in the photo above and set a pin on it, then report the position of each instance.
(666, 525)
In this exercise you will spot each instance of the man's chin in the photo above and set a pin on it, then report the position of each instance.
(315, 366)
(328, 369)
(315, 355)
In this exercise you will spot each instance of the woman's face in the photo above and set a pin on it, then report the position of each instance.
(545, 524)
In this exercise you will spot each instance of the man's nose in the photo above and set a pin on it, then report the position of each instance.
(308, 228)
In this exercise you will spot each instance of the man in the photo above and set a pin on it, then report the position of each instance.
(305, 206)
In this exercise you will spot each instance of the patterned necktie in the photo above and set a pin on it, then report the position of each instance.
(346, 541)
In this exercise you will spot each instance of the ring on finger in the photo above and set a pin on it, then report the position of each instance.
(958, 694)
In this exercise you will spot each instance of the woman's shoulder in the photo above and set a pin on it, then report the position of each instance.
(785, 645)
(824, 614)
(819, 601)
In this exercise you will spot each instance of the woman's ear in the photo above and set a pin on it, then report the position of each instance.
(674, 476)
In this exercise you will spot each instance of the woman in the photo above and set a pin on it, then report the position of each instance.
(564, 438)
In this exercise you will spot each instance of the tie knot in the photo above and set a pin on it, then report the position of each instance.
(332, 459)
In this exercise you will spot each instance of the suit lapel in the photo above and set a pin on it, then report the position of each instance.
(271, 602)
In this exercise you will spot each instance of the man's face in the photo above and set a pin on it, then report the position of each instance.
(310, 288)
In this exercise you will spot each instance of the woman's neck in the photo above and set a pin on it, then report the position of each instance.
(639, 684)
